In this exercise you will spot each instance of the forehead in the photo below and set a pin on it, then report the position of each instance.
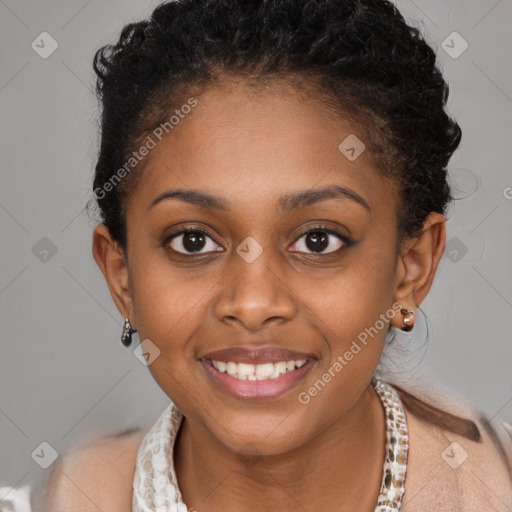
(257, 143)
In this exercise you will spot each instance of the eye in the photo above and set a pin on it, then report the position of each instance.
(192, 240)
(320, 238)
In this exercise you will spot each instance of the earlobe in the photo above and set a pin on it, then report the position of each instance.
(111, 261)
(418, 261)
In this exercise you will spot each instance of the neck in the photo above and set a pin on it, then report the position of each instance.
(339, 470)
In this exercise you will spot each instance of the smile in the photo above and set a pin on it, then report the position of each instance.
(257, 372)
(264, 371)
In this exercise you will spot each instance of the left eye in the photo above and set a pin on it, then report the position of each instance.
(193, 241)
(317, 240)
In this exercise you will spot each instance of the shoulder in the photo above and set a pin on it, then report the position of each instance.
(449, 471)
(95, 477)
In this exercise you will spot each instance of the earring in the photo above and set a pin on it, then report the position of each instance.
(126, 337)
(408, 320)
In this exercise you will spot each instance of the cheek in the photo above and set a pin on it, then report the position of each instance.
(352, 309)
(168, 308)
(351, 300)
(168, 312)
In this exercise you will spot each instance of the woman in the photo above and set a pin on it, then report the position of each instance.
(272, 187)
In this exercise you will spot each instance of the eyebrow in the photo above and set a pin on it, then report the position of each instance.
(287, 202)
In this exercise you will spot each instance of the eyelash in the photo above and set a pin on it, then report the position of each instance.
(315, 229)
(325, 229)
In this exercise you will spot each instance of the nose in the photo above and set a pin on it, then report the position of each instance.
(255, 294)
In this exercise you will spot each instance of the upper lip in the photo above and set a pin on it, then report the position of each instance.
(256, 355)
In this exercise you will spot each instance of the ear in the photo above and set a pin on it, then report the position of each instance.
(111, 260)
(417, 263)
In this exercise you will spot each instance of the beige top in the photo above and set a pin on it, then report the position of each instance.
(446, 472)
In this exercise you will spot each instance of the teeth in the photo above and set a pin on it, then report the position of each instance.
(221, 366)
(264, 371)
(281, 367)
(245, 369)
(232, 368)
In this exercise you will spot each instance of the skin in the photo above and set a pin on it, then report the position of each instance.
(252, 147)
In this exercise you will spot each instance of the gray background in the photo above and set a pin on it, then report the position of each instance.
(66, 378)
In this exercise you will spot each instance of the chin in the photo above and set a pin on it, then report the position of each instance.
(269, 434)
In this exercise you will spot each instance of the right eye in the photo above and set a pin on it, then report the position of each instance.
(192, 241)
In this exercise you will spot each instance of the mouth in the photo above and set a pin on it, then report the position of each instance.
(257, 373)
(264, 371)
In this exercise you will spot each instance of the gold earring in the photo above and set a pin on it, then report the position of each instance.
(408, 319)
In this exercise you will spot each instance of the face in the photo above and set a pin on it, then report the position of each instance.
(290, 254)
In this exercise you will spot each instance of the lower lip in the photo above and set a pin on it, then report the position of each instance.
(257, 389)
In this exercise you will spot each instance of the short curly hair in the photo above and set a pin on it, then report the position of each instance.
(359, 55)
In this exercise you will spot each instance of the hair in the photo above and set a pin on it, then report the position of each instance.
(359, 57)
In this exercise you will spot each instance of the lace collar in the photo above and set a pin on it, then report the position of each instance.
(155, 486)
